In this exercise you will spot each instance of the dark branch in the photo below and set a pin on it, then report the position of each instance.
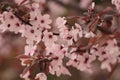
(23, 21)
(104, 30)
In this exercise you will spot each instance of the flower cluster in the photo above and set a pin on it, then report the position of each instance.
(79, 45)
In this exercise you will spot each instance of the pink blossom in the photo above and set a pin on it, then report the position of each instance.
(107, 54)
(57, 53)
(49, 38)
(81, 62)
(10, 22)
(106, 65)
(39, 21)
(31, 34)
(73, 60)
(45, 21)
(58, 69)
(66, 35)
(56, 50)
(78, 27)
(25, 76)
(30, 50)
(117, 4)
(41, 76)
(60, 22)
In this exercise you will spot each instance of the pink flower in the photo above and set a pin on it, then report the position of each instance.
(73, 60)
(81, 62)
(41, 76)
(45, 21)
(26, 75)
(31, 34)
(58, 68)
(10, 22)
(39, 21)
(117, 4)
(107, 54)
(78, 27)
(111, 54)
(35, 14)
(54, 66)
(56, 51)
(106, 65)
(67, 34)
(30, 49)
(48, 38)
(60, 22)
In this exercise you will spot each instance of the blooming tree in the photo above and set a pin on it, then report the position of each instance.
(50, 42)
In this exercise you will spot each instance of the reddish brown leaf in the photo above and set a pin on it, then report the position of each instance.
(28, 61)
(23, 56)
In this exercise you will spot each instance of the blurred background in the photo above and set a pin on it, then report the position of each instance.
(11, 45)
